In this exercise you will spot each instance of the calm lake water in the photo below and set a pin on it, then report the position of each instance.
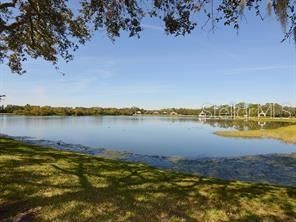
(167, 136)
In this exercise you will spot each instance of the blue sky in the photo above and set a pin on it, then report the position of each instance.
(158, 71)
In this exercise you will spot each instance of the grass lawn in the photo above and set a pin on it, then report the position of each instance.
(44, 184)
(286, 134)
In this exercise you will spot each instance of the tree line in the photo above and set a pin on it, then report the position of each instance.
(236, 110)
(66, 111)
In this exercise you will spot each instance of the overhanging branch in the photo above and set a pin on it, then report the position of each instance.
(8, 4)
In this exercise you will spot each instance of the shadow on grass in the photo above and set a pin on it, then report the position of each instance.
(46, 184)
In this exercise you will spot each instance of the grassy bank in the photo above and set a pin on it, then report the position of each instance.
(45, 184)
(286, 134)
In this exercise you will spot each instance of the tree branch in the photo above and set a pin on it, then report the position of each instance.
(10, 27)
(8, 4)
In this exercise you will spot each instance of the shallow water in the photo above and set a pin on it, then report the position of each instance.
(163, 136)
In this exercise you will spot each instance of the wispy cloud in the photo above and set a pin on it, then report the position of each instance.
(85, 80)
(153, 27)
(248, 70)
(134, 89)
(235, 57)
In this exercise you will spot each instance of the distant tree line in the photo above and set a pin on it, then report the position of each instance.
(237, 110)
(67, 111)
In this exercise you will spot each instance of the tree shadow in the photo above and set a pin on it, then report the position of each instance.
(67, 186)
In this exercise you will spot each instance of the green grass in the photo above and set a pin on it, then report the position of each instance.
(44, 184)
(286, 134)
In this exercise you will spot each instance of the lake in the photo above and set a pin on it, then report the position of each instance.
(186, 137)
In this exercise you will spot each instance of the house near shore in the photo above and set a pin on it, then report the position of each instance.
(202, 114)
(173, 113)
(138, 113)
(261, 114)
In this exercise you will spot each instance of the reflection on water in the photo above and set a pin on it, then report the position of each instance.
(246, 125)
(169, 136)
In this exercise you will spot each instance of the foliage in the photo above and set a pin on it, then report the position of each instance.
(42, 184)
(45, 29)
(237, 110)
(54, 28)
(67, 111)
(240, 110)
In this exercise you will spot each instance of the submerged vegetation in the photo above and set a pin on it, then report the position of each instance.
(286, 134)
(45, 184)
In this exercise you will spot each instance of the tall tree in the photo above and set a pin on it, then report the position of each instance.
(52, 29)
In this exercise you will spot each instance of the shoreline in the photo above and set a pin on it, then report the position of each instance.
(266, 119)
(277, 169)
